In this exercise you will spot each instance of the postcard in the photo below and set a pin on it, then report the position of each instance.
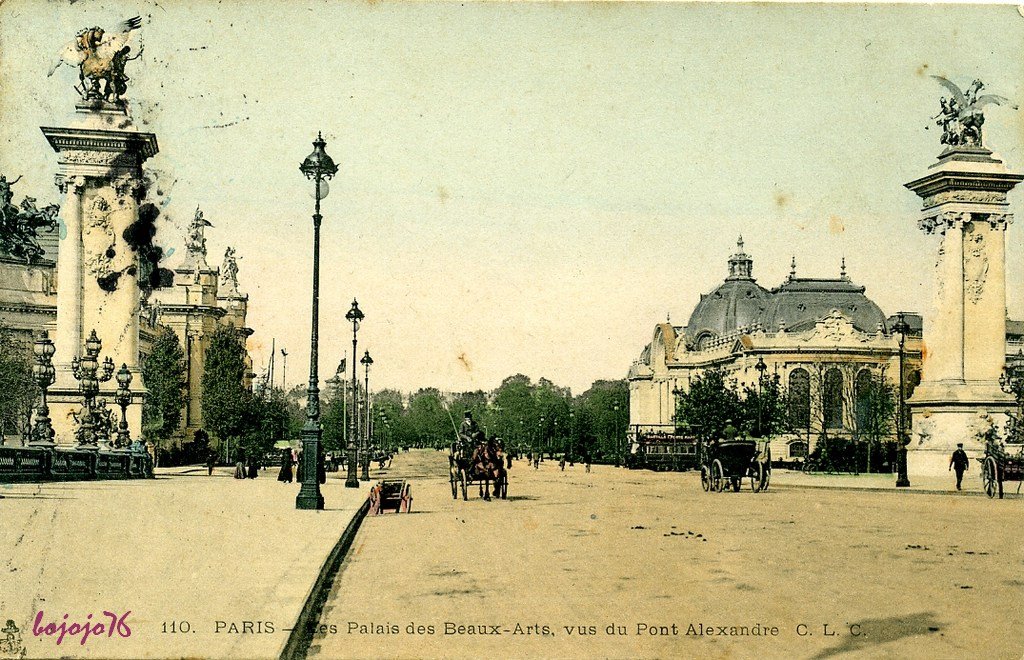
(507, 329)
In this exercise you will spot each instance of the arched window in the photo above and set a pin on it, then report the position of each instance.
(798, 449)
(800, 398)
(864, 387)
(832, 399)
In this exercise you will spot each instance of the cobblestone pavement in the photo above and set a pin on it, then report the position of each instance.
(617, 563)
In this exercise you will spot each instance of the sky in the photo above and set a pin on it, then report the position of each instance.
(528, 188)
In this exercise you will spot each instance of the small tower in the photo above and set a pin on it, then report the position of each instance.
(741, 266)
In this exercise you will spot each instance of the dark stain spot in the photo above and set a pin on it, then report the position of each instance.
(108, 282)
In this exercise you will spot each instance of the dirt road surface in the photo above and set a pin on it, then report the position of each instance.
(619, 563)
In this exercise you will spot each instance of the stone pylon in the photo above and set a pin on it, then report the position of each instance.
(964, 343)
(100, 157)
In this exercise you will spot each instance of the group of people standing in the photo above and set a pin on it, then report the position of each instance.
(291, 463)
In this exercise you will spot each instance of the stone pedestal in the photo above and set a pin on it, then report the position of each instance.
(100, 157)
(964, 343)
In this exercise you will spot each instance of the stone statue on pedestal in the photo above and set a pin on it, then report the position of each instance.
(229, 272)
(962, 117)
(19, 227)
(101, 58)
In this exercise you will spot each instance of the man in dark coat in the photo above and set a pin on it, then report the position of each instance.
(958, 462)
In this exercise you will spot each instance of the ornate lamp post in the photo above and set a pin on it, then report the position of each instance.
(355, 315)
(902, 480)
(44, 374)
(615, 434)
(318, 167)
(123, 398)
(761, 368)
(1011, 381)
(87, 372)
(366, 361)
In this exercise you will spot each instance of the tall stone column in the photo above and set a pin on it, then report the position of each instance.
(100, 157)
(964, 203)
(68, 338)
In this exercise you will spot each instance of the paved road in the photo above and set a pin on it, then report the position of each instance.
(191, 557)
(605, 564)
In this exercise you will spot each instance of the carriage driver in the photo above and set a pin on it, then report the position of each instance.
(468, 429)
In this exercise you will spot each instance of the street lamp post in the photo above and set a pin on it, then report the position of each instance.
(354, 315)
(1011, 381)
(902, 480)
(44, 374)
(318, 167)
(123, 398)
(615, 434)
(86, 371)
(366, 361)
(761, 368)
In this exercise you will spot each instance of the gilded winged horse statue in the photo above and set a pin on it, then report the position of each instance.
(962, 117)
(100, 57)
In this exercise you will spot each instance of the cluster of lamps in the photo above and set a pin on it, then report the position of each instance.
(90, 372)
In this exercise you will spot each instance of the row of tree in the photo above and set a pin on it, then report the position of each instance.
(714, 401)
(526, 416)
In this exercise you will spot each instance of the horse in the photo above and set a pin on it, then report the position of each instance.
(487, 465)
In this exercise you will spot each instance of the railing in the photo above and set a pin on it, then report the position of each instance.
(35, 464)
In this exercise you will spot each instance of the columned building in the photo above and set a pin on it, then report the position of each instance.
(823, 337)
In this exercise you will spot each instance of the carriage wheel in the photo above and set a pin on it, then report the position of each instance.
(463, 477)
(989, 476)
(756, 478)
(705, 478)
(717, 476)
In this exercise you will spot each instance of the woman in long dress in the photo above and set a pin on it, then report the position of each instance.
(285, 474)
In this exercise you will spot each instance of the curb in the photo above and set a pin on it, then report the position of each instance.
(301, 636)
(912, 490)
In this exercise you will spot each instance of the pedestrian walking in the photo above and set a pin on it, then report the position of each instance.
(958, 462)
(561, 464)
(254, 468)
(239, 470)
(285, 475)
(211, 462)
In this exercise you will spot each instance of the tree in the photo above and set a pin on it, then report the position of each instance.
(429, 419)
(875, 419)
(765, 408)
(226, 403)
(163, 374)
(18, 390)
(709, 403)
(598, 425)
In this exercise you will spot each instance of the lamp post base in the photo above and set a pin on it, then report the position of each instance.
(351, 481)
(310, 502)
(902, 480)
(309, 497)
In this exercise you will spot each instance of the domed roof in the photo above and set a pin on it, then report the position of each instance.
(737, 302)
(800, 302)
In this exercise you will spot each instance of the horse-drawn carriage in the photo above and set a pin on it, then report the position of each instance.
(728, 462)
(999, 465)
(390, 495)
(482, 465)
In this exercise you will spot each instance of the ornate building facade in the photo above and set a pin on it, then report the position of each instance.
(823, 337)
(201, 300)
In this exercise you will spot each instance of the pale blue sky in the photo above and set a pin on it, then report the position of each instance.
(530, 187)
